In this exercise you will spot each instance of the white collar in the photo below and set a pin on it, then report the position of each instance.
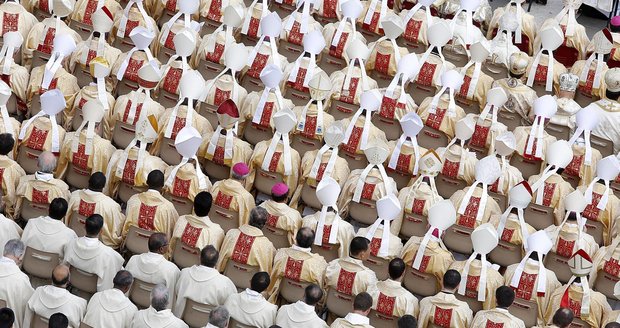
(43, 176)
(252, 293)
(357, 319)
(90, 241)
(304, 307)
(301, 249)
(7, 260)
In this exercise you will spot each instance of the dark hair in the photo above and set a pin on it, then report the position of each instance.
(358, 246)
(7, 318)
(407, 321)
(362, 302)
(304, 237)
(157, 241)
(563, 317)
(209, 256)
(202, 203)
(612, 95)
(96, 182)
(93, 224)
(58, 208)
(258, 217)
(313, 294)
(155, 179)
(260, 282)
(613, 324)
(58, 320)
(6, 143)
(505, 296)
(451, 279)
(123, 279)
(396, 268)
(281, 198)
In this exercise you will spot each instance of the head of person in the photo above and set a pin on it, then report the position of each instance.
(362, 303)
(360, 248)
(240, 171)
(60, 276)
(155, 180)
(568, 85)
(219, 317)
(58, 208)
(517, 64)
(123, 280)
(260, 281)
(614, 24)
(407, 321)
(304, 237)
(279, 192)
(612, 81)
(202, 203)
(96, 182)
(313, 294)
(451, 280)
(258, 217)
(93, 225)
(46, 162)
(505, 296)
(6, 143)
(160, 297)
(158, 243)
(613, 325)
(58, 320)
(14, 249)
(209, 256)
(7, 318)
(396, 268)
(563, 317)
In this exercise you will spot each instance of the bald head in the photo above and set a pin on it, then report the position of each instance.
(159, 297)
(563, 317)
(304, 237)
(46, 162)
(313, 294)
(60, 276)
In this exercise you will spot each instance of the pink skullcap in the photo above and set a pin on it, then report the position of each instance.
(241, 169)
(279, 189)
(615, 21)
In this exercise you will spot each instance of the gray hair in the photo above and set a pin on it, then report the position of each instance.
(219, 317)
(15, 248)
(238, 176)
(46, 162)
(159, 297)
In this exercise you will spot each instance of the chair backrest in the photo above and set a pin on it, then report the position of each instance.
(39, 321)
(140, 293)
(299, 98)
(579, 323)
(605, 146)
(209, 70)
(447, 186)
(506, 254)
(226, 218)
(292, 291)
(339, 304)
(559, 265)
(183, 205)
(340, 109)
(40, 264)
(559, 131)
(330, 64)
(379, 265)
(290, 50)
(168, 152)
(401, 179)
(454, 56)
(216, 172)
(500, 199)
(83, 76)
(525, 310)
(32, 210)
(196, 314)
(167, 99)
(379, 320)
(539, 216)
(240, 274)
(419, 92)
(27, 158)
(329, 252)
(209, 112)
(265, 180)
(364, 212)
(184, 255)
(125, 191)
(527, 167)
(304, 144)
(458, 239)
(137, 240)
(76, 177)
(123, 134)
(354, 160)
(308, 196)
(84, 281)
(473, 302)
(254, 134)
(595, 229)
(420, 283)
(83, 325)
(413, 225)
(495, 70)
(39, 58)
(236, 324)
(391, 127)
(277, 236)
(510, 119)
(605, 283)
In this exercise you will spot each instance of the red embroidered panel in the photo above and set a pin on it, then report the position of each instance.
(259, 63)
(218, 155)
(526, 286)
(223, 200)
(349, 98)
(575, 306)
(272, 220)
(86, 209)
(541, 74)
(479, 138)
(548, 191)
(495, 186)
(565, 247)
(48, 42)
(310, 127)
(294, 35)
(412, 30)
(385, 304)
(6, 78)
(91, 6)
(321, 171)
(216, 55)
(146, 217)
(129, 171)
(450, 169)
(220, 96)
(179, 123)
(434, 120)
(388, 107)
(265, 117)
(136, 116)
(131, 73)
(82, 102)
(329, 8)
(91, 54)
(587, 87)
(382, 63)
(169, 43)
(180, 187)
(131, 24)
(468, 219)
(471, 289)
(465, 86)
(10, 22)
(346, 280)
(299, 80)
(375, 244)
(591, 212)
(336, 51)
(612, 267)
(372, 27)
(190, 235)
(172, 80)
(442, 317)
(52, 86)
(368, 190)
(507, 235)
(171, 5)
(40, 196)
(215, 10)
(418, 206)
(425, 77)
(79, 158)
(253, 28)
(354, 140)
(37, 138)
(531, 156)
(242, 249)
(424, 264)
(574, 166)
(293, 269)
(273, 164)
(491, 324)
(44, 6)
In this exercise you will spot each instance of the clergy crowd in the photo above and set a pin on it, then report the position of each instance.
(308, 163)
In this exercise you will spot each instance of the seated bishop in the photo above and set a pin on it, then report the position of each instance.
(520, 96)
(11, 174)
(499, 315)
(39, 188)
(526, 25)
(567, 106)
(440, 112)
(581, 168)
(341, 33)
(281, 217)
(299, 23)
(432, 63)
(444, 309)
(112, 305)
(504, 147)
(251, 26)
(390, 298)
(249, 307)
(17, 18)
(385, 54)
(457, 161)
(538, 75)
(182, 45)
(303, 311)
(476, 83)
(15, 284)
(417, 19)
(126, 67)
(127, 20)
(230, 194)
(533, 141)
(169, 38)
(299, 73)
(84, 12)
(13, 74)
(487, 127)
(591, 74)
